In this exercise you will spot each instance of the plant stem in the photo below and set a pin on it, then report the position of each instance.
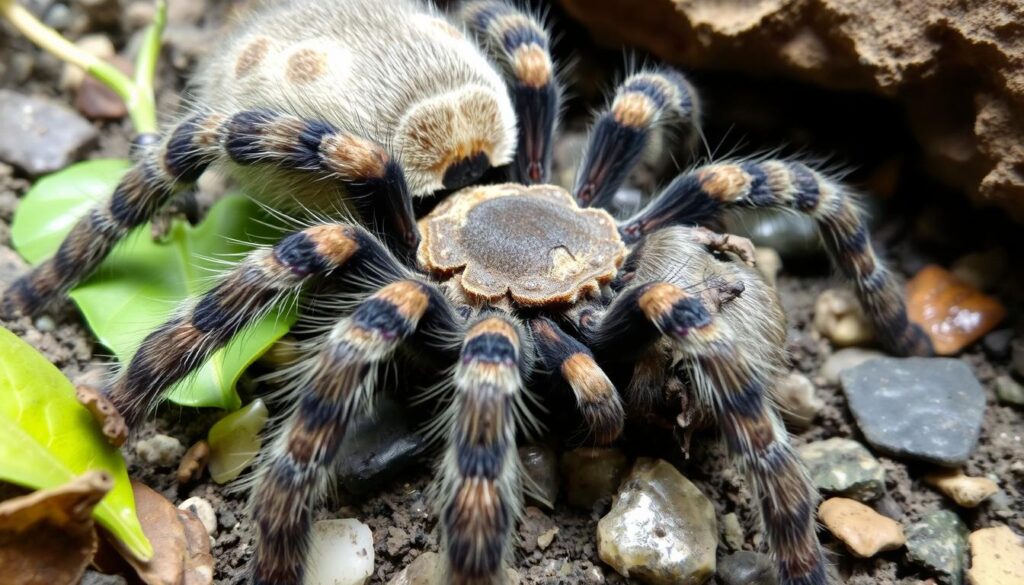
(137, 95)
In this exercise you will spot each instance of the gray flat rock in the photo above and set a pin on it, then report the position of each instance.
(928, 409)
(39, 135)
(841, 467)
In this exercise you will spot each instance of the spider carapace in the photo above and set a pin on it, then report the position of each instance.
(349, 109)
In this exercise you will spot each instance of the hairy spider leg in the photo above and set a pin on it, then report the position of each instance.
(481, 487)
(519, 42)
(373, 180)
(645, 104)
(703, 194)
(596, 396)
(266, 278)
(340, 381)
(735, 390)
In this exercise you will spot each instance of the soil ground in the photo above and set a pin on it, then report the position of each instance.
(399, 515)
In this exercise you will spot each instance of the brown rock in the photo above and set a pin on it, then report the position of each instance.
(953, 313)
(915, 51)
(838, 316)
(864, 531)
(97, 101)
(965, 491)
(193, 462)
(997, 557)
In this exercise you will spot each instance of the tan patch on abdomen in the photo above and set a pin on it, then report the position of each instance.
(252, 55)
(305, 66)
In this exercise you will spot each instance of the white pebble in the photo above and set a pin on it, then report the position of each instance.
(204, 511)
(341, 553)
(838, 316)
(45, 324)
(160, 450)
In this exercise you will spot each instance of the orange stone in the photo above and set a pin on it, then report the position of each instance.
(953, 313)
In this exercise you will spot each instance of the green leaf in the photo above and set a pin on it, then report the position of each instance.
(47, 439)
(140, 284)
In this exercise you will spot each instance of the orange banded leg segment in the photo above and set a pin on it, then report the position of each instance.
(643, 105)
(480, 498)
(596, 396)
(339, 382)
(736, 390)
(266, 277)
(703, 194)
(519, 42)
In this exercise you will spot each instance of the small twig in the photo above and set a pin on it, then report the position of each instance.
(137, 94)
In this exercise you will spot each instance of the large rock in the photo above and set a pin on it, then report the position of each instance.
(39, 135)
(923, 408)
(958, 67)
(661, 529)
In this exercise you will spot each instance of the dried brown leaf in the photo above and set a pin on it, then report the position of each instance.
(48, 537)
(180, 540)
(114, 427)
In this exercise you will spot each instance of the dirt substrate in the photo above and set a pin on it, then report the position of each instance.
(399, 515)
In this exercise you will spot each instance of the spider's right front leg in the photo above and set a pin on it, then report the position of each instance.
(374, 181)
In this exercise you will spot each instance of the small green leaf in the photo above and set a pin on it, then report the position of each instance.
(140, 284)
(47, 439)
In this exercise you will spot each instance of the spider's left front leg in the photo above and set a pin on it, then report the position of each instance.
(519, 42)
(339, 381)
(733, 376)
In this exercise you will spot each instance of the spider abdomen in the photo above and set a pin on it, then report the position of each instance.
(338, 61)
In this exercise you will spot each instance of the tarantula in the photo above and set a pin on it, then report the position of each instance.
(368, 103)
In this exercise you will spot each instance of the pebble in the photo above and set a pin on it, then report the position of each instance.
(204, 511)
(97, 45)
(96, 101)
(921, 408)
(425, 570)
(939, 543)
(545, 538)
(235, 441)
(838, 316)
(964, 490)
(378, 447)
(661, 529)
(953, 313)
(789, 234)
(798, 400)
(160, 450)
(997, 557)
(732, 531)
(1007, 389)
(845, 359)
(39, 135)
(592, 475)
(58, 17)
(341, 553)
(864, 531)
(94, 578)
(540, 464)
(997, 344)
(768, 263)
(747, 568)
(45, 324)
(842, 467)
